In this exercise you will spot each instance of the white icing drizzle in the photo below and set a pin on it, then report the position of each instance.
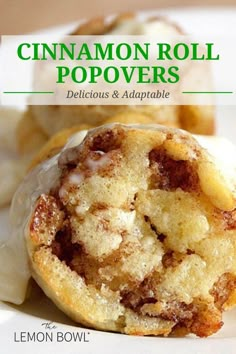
(76, 178)
(102, 161)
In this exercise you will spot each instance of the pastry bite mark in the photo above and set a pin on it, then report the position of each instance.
(156, 254)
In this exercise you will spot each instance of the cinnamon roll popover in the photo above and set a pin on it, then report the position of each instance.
(138, 235)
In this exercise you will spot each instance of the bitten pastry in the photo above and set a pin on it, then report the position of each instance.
(138, 234)
(196, 119)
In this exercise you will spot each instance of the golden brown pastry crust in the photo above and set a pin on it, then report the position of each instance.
(133, 239)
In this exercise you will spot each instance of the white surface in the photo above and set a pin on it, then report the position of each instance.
(30, 316)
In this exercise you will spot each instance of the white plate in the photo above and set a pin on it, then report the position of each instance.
(16, 321)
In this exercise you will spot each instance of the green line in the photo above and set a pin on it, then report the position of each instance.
(27, 92)
(209, 92)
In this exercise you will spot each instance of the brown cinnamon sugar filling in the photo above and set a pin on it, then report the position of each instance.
(172, 259)
(106, 141)
(197, 317)
(169, 174)
(229, 220)
(223, 288)
(75, 257)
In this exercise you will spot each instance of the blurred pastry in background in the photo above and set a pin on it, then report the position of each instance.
(30, 136)
(196, 119)
(13, 166)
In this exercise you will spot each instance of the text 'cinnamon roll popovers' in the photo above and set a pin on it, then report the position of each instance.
(138, 236)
